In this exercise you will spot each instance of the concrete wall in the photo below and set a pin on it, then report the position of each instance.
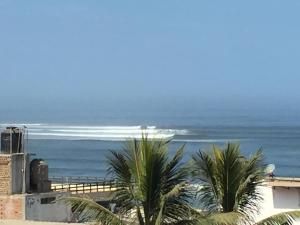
(17, 173)
(15, 205)
(39, 207)
(17, 170)
(12, 207)
(11, 173)
(279, 199)
(35, 207)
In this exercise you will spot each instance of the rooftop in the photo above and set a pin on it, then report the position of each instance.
(288, 182)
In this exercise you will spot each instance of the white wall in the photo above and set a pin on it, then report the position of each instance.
(278, 200)
(54, 212)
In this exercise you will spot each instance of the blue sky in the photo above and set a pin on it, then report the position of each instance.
(77, 53)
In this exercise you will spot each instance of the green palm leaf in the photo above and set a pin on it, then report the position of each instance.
(151, 187)
(229, 181)
(230, 218)
(230, 185)
(90, 210)
(281, 218)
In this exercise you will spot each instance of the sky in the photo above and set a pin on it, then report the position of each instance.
(72, 54)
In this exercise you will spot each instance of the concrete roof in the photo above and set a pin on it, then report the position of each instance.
(288, 182)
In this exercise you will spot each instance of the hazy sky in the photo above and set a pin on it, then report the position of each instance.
(110, 52)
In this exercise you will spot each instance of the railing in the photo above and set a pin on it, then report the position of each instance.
(81, 185)
(76, 179)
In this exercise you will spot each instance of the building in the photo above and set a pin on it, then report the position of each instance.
(25, 191)
(280, 194)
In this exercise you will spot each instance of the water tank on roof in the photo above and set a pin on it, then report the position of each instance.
(39, 176)
(12, 140)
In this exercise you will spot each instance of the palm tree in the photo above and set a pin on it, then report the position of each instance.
(151, 190)
(230, 181)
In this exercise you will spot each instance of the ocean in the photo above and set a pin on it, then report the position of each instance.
(80, 147)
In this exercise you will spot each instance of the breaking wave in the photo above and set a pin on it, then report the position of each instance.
(107, 133)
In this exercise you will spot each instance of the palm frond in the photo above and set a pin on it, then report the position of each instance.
(229, 180)
(248, 194)
(174, 205)
(88, 210)
(119, 168)
(150, 184)
(203, 170)
(228, 218)
(281, 218)
(176, 194)
(151, 188)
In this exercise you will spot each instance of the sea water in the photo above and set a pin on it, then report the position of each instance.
(80, 147)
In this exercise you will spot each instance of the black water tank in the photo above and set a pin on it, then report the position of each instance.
(11, 140)
(39, 176)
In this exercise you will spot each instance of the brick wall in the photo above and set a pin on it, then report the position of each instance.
(12, 207)
(5, 174)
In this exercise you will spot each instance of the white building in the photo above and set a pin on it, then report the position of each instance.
(280, 194)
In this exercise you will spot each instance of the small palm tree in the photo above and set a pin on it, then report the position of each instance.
(230, 184)
(151, 190)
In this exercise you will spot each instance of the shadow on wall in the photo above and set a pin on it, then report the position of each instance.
(287, 198)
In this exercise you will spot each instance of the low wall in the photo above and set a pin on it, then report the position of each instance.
(39, 207)
(45, 207)
(12, 207)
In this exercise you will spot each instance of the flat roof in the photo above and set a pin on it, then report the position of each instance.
(287, 182)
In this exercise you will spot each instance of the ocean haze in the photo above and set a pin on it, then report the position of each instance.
(63, 53)
(211, 72)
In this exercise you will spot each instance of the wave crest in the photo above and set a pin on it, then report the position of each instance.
(107, 133)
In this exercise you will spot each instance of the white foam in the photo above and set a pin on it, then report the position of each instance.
(151, 127)
(207, 140)
(110, 131)
(179, 132)
(51, 131)
(88, 127)
(99, 136)
(20, 124)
